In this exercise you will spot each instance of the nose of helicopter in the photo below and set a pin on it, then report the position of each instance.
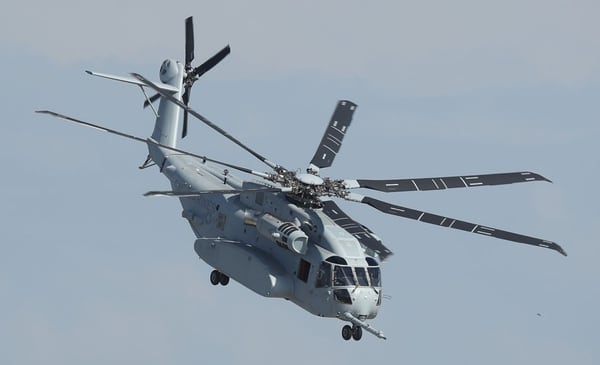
(364, 302)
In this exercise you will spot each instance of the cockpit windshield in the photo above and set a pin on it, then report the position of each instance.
(343, 275)
(361, 276)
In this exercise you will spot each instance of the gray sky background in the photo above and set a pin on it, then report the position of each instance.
(92, 272)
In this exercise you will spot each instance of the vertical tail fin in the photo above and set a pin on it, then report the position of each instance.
(167, 123)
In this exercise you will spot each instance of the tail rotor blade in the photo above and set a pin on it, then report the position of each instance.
(152, 99)
(212, 62)
(189, 41)
(186, 100)
(185, 124)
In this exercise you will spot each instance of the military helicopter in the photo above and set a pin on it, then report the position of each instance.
(283, 236)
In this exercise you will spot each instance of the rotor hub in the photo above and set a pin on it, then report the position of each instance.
(310, 179)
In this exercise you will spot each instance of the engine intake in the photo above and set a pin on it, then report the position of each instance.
(284, 234)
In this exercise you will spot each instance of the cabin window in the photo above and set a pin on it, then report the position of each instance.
(303, 270)
(324, 276)
(221, 219)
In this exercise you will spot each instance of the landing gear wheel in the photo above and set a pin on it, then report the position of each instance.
(356, 333)
(224, 279)
(215, 277)
(346, 332)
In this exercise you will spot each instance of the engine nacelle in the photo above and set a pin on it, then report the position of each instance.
(284, 234)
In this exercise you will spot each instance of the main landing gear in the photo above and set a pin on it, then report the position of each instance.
(217, 278)
(354, 332)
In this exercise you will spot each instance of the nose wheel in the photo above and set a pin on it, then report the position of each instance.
(354, 332)
(217, 278)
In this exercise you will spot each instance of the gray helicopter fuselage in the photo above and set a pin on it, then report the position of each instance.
(280, 237)
(260, 239)
(245, 236)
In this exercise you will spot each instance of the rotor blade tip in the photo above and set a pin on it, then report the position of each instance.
(539, 177)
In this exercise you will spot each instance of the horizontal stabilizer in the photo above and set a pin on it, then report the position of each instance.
(131, 80)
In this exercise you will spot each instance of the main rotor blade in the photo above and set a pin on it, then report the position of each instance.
(189, 42)
(152, 99)
(181, 194)
(212, 62)
(360, 232)
(206, 121)
(334, 134)
(454, 223)
(448, 182)
(146, 141)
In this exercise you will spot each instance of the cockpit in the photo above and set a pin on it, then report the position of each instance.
(335, 272)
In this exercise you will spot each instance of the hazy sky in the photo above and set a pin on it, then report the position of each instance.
(92, 272)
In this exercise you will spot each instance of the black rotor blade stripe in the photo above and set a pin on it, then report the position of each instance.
(360, 232)
(449, 182)
(334, 134)
(458, 224)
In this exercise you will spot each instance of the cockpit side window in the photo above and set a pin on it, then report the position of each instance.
(375, 276)
(324, 276)
(343, 276)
